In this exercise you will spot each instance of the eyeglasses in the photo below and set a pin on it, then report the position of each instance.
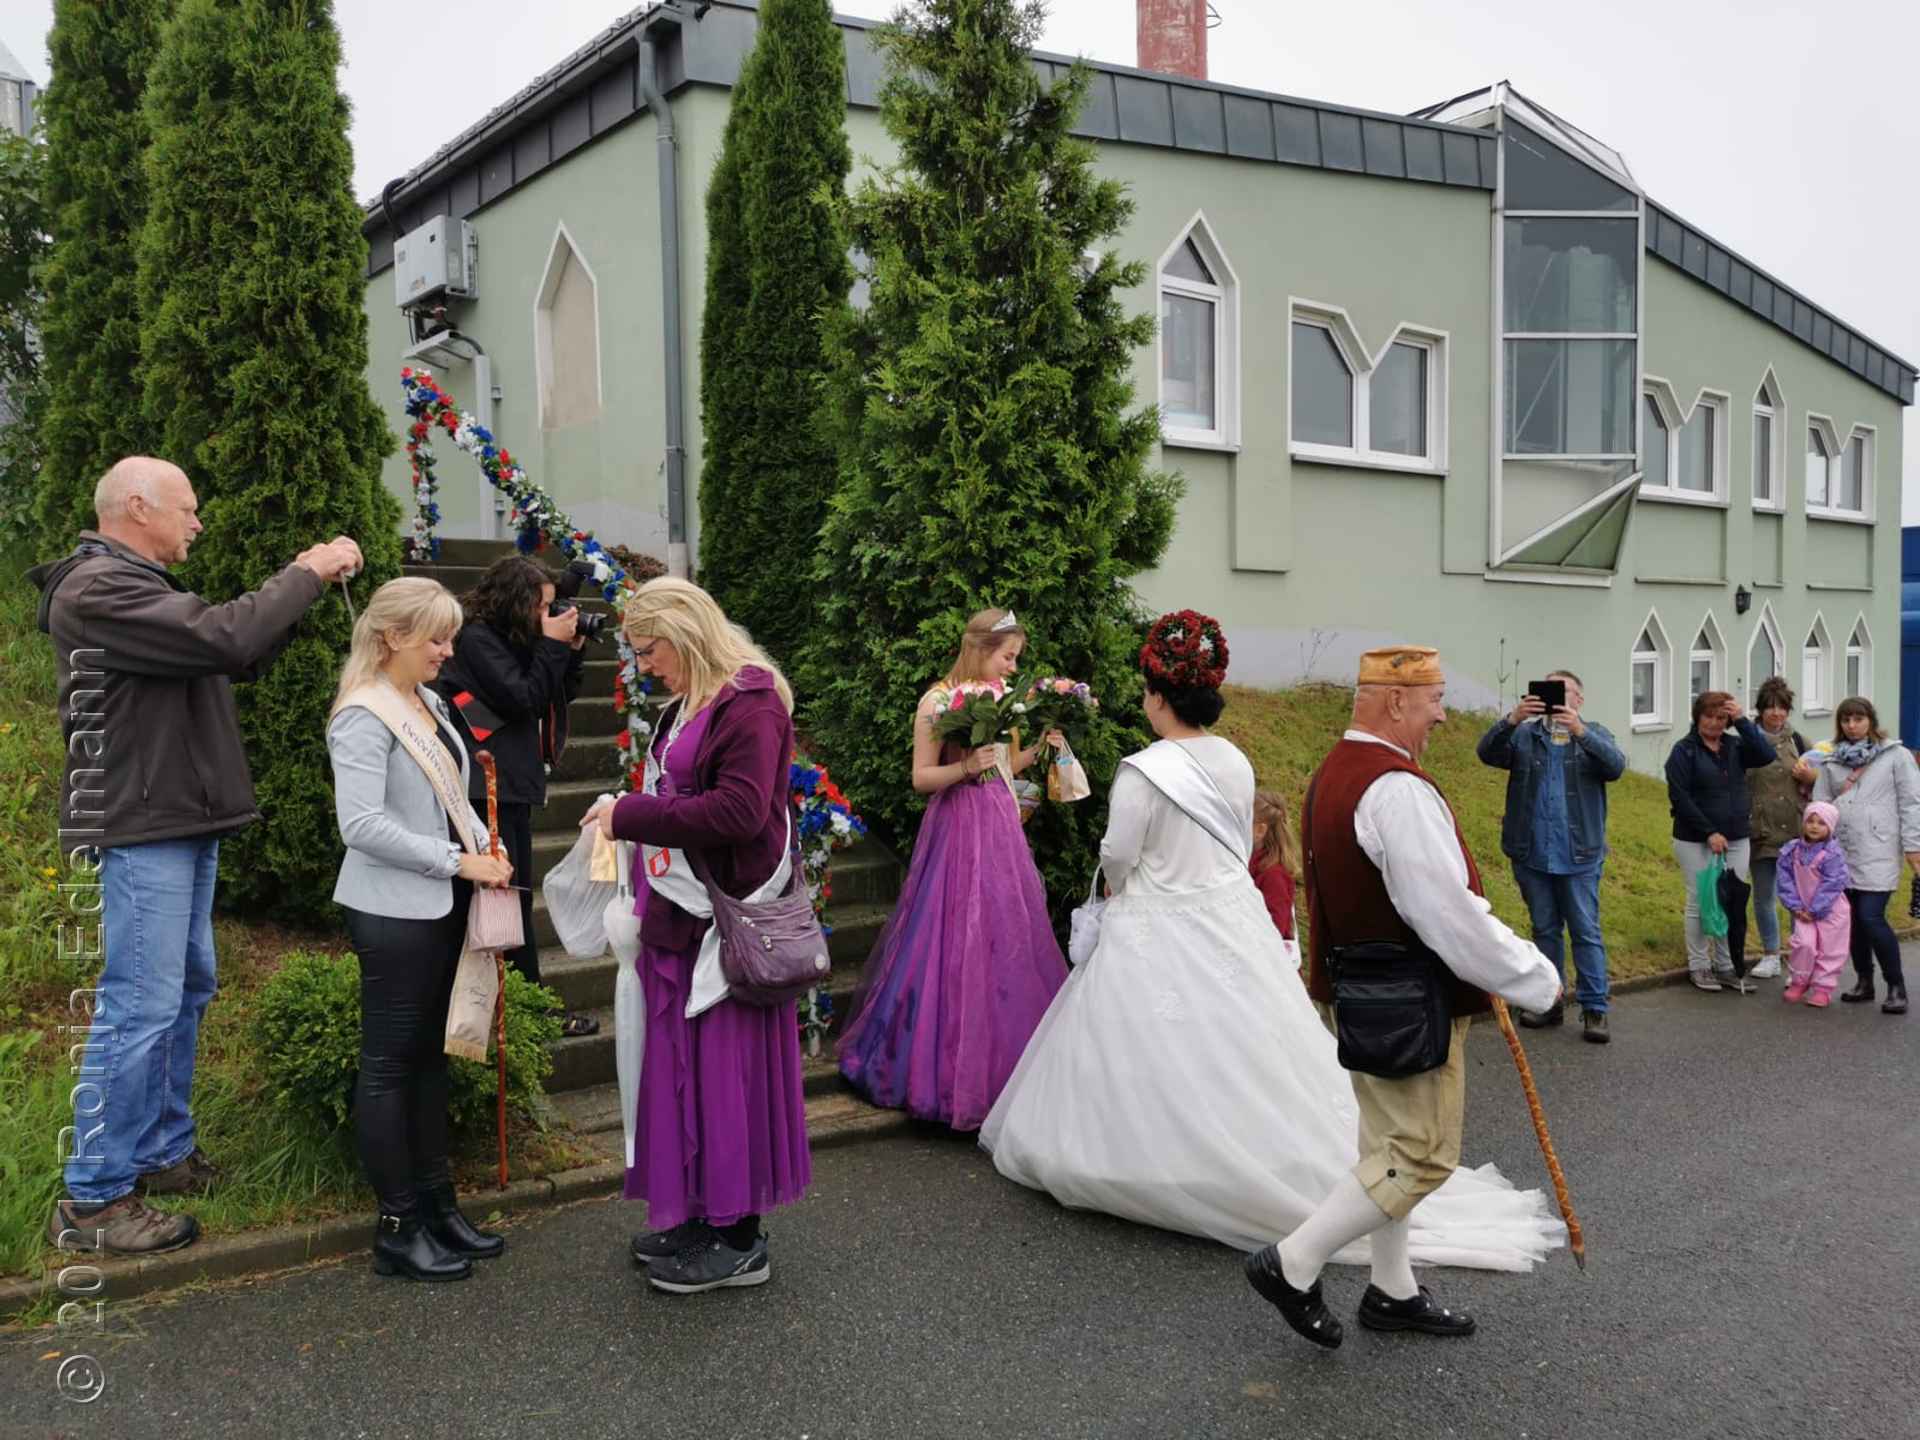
(645, 652)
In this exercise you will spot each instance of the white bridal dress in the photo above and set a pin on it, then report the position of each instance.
(1182, 1078)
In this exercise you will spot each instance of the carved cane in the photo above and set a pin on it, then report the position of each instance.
(485, 759)
(1576, 1240)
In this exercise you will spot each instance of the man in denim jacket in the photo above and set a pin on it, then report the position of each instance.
(1555, 833)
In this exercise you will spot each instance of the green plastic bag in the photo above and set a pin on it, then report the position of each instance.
(1713, 916)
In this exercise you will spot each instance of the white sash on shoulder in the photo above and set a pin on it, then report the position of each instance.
(1175, 773)
(671, 875)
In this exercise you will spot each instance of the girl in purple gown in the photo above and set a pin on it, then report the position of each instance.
(721, 1129)
(968, 963)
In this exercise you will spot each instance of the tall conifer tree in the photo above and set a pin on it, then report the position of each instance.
(776, 263)
(990, 449)
(252, 286)
(97, 139)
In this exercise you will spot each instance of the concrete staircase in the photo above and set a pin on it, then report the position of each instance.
(582, 1089)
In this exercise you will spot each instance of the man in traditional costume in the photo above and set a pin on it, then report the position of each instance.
(1386, 863)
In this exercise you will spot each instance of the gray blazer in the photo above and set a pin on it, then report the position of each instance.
(399, 862)
(1879, 816)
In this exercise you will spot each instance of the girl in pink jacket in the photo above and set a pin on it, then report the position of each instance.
(1813, 880)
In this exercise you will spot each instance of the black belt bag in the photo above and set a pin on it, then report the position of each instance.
(1390, 1012)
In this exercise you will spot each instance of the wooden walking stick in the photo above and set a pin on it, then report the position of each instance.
(1576, 1241)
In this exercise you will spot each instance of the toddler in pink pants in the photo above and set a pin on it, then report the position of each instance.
(1813, 880)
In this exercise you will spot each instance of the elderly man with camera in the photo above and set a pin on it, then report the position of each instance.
(156, 776)
(1555, 831)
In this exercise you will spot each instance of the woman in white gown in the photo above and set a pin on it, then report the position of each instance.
(1182, 1078)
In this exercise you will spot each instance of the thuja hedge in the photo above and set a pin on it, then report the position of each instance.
(990, 448)
(254, 338)
(776, 263)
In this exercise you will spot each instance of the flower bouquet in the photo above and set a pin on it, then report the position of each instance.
(1056, 703)
(977, 712)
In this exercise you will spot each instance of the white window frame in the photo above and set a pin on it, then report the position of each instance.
(1816, 669)
(1715, 654)
(1224, 296)
(1661, 657)
(1771, 628)
(1837, 468)
(1830, 437)
(1360, 367)
(543, 327)
(1859, 647)
(1719, 404)
(1770, 402)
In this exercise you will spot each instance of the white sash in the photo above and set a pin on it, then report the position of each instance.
(670, 873)
(1177, 774)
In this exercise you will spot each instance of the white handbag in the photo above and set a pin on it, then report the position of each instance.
(1083, 926)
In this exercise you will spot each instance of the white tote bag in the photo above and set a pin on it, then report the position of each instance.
(576, 901)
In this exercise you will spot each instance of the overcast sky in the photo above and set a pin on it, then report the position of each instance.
(1788, 131)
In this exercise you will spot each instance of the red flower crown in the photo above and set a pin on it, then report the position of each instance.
(1187, 650)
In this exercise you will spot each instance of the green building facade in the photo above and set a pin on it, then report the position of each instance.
(1448, 378)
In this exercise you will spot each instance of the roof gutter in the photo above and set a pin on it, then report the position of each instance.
(670, 14)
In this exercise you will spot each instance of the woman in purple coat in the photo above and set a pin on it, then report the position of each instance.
(721, 1134)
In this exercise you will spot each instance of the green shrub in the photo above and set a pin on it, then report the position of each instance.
(97, 136)
(24, 222)
(776, 259)
(308, 1016)
(254, 356)
(991, 449)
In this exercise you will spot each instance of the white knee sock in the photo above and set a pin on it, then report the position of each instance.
(1343, 1217)
(1392, 1270)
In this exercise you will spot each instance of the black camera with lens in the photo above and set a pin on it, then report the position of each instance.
(566, 593)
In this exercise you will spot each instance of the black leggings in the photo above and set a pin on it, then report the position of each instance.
(516, 835)
(400, 1099)
(1872, 936)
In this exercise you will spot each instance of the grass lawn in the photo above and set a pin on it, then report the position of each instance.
(1286, 734)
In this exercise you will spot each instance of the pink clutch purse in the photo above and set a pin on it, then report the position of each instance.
(493, 919)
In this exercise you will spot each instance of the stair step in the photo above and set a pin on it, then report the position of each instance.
(589, 758)
(838, 1118)
(585, 1061)
(567, 802)
(587, 984)
(473, 552)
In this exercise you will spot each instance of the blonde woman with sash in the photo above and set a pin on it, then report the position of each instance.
(415, 850)
(1182, 1078)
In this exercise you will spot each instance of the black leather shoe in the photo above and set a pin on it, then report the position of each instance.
(1543, 1019)
(402, 1245)
(1304, 1310)
(1380, 1311)
(654, 1245)
(1593, 1026)
(1861, 993)
(1896, 1000)
(440, 1213)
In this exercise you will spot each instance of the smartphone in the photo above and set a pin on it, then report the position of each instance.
(1552, 693)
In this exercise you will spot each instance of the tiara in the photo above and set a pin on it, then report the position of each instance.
(1005, 622)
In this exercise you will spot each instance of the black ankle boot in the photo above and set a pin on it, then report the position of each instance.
(1896, 1000)
(1861, 992)
(440, 1212)
(402, 1245)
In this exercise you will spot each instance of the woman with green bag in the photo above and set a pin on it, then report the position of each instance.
(1707, 792)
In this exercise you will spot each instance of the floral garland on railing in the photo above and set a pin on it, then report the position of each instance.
(822, 816)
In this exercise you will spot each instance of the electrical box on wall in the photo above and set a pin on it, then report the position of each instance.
(435, 260)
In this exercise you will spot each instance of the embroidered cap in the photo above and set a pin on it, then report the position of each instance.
(1402, 665)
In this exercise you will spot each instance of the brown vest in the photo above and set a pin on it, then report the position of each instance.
(1347, 901)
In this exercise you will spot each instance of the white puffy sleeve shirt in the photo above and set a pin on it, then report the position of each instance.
(1406, 829)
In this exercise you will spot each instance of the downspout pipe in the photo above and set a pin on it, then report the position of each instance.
(678, 552)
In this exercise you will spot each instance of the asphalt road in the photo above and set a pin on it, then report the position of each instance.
(1744, 1171)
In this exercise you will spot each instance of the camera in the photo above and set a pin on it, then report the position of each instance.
(566, 592)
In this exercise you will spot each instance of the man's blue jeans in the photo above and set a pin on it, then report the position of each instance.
(1572, 903)
(130, 1115)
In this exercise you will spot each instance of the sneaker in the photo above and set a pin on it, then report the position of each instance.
(1593, 1026)
(1702, 980)
(127, 1226)
(1767, 969)
(1794, 991)
(665, 1244)
(1820, 999)
(194, 1175)
(1730, 981)
(711, 1264)
(1543, 1019)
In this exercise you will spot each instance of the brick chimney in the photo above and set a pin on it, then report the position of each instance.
(1173, 36)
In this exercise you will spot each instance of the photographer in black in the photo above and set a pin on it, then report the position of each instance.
(517, 662)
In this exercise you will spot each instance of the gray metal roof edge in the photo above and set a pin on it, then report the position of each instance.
(1717, 266)
(504, 118)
